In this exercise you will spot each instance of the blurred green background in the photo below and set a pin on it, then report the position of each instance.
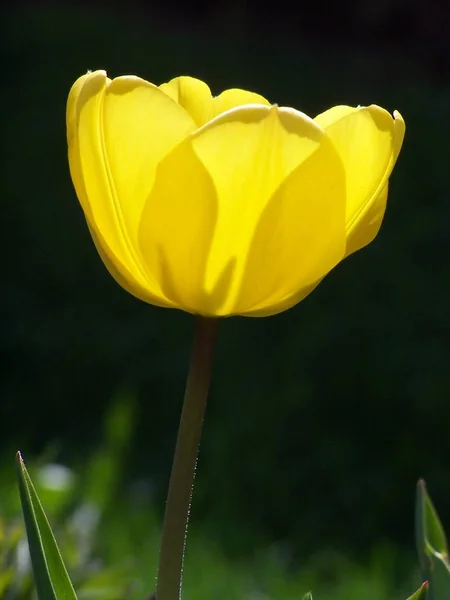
(320, 419)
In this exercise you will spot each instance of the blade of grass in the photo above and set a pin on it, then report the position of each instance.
(421, 594)
(50, 574)
(432, 546)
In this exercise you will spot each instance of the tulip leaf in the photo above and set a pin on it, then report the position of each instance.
(50, 574)
(421, 594)
(432, 546)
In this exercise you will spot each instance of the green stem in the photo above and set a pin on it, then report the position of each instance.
(183, 469)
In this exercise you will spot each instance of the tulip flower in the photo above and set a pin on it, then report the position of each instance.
(220, 206)
(224, 205)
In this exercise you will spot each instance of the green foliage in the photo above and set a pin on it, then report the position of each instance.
(432, 546)
(50, 575)
(75, 504)
(76, 537)
(421, 594)
(208, 574)
(109, 536)
(11, 536)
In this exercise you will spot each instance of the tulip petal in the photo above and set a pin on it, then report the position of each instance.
(256, 220)
(177, 226)
(72, 142)
(283, 304)
(368, 141)
(300, 236)
(368, 225)
(233, 98)
(118, 131)
(122, 275)
(193, 95)
(71, 108)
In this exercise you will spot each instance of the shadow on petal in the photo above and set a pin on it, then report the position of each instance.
(285, 303)
(205, 303)
(369, 224)
(177, 228)
(299, 238)
(122, 275)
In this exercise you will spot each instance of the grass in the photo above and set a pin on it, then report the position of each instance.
(109, 535)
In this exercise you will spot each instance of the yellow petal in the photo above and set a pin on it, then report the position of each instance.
(72, 140)
(123, 128)
(177, 226)
(250, 218)
(368, 225)
(71, 108)
(193, 95)
(235, 97)
(334, 114)
(300, 236)
(285, 303)
(122, 275)
(399, 134)
(368, 141)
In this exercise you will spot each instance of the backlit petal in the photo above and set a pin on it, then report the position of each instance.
(368, 140)
(228, 205)
(235, 97)
(177, 226)
(193, 95)
(300, 236)
(71, 108)
(123, 129)
(122, 275)
(72, 114)
(112, 263)
(369, 224)
(255, 219)
(285, 303)
(399, 134)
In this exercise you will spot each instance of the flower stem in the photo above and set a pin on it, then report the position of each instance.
(183, 469)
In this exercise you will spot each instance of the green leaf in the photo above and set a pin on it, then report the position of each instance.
(432, 546)
(421, 594)
(308, 596)
(6, 578)
(428, 524)
(50, 574)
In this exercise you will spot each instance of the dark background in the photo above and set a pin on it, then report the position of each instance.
(320, 419)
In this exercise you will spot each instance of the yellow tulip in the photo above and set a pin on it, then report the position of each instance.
(224, 205)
